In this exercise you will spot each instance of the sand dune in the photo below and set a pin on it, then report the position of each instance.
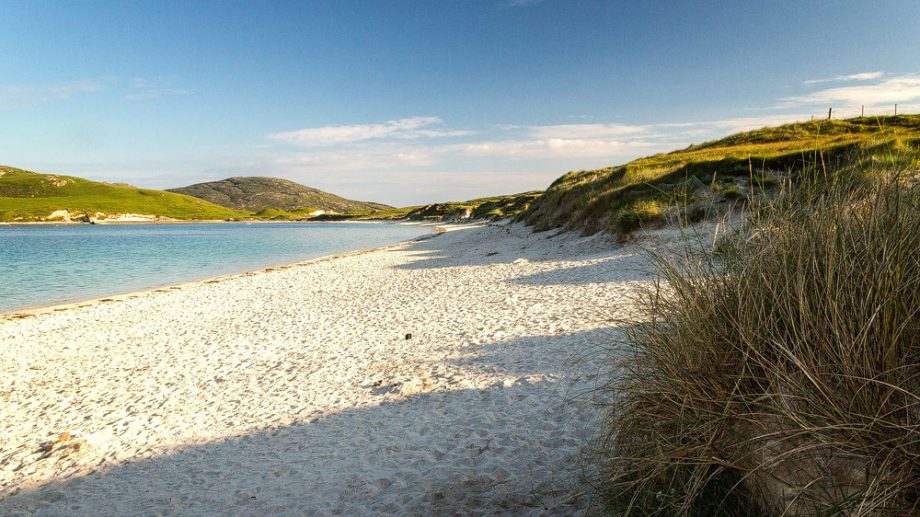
(296, 391)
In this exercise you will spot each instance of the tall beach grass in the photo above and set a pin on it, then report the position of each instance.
(778, 373)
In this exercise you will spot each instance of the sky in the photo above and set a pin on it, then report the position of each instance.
(412, 102)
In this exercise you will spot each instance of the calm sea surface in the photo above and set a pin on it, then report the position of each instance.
(41, 265)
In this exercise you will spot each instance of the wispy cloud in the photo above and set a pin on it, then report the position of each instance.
(738, 124)
(862, 76)
(364, 158)
(895, 89)
(404, 128)
(399, 145)
(24, 96)
(144, 89)
(593, 131)
(554, 148)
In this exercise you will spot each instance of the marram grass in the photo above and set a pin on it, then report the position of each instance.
(779, 374)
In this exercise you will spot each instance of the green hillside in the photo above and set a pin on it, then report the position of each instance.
(30, 196)
(705, 176)
(495, 207)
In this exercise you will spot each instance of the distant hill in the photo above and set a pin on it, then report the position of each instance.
(255, 193)
(486, 208)
(31, 196)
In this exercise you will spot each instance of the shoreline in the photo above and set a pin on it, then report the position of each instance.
(27, 312)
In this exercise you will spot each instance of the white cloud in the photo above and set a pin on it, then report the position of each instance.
(897, 89)
(738, 124)
(592, 131)
(405, 128)
(555, 148)
(564, 140)
(862, 76)
(23, 96)
(365, 157)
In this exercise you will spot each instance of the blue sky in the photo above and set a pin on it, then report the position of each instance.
(408, 102)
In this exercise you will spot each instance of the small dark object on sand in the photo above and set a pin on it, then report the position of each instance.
(408, 337)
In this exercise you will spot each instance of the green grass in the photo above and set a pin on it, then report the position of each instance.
(778, 373)
(495, 207)
(715, 172)
(731, 192)
(30, 196)
(384, 215)
(638, 214)
(275, 214)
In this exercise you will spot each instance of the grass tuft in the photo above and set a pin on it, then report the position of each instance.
(779, 374)
(639, 214)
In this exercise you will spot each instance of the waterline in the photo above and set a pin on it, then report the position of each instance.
(44, 265)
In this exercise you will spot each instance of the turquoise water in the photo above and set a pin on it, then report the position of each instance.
(42, 265)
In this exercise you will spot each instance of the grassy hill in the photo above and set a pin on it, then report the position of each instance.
(703, 176)
(688, 183)
(30, 196)
(254, 194)
(496, 207)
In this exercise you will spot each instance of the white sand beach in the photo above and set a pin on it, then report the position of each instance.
(295, 391)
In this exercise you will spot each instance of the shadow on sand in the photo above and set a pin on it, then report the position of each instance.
(536, 247)
(510, 448)
(620, 268)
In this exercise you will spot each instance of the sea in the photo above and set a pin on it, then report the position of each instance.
(46, 265)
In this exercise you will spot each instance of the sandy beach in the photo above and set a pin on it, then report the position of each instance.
(447, 376)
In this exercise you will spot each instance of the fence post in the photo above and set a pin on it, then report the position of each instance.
(829, 110)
